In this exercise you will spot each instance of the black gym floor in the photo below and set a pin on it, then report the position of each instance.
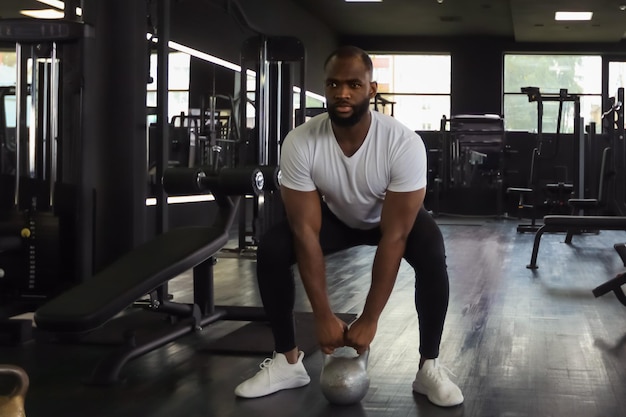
(520, 342)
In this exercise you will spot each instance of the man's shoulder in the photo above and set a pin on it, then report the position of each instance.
(307, 134)
(308, 131)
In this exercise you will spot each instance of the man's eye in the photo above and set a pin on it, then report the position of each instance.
(355, 85)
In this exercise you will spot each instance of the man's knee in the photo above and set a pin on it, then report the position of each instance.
(425, 245)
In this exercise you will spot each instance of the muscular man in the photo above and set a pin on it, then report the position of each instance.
(351, 177)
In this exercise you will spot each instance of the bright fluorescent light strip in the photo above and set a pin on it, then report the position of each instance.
(201, 55)
(53, 3)
(43, 13)
(364, 1)
(60, 5)
(310, 94)
(204, 56)
(183, 199)
(218, 61)
(573, 16)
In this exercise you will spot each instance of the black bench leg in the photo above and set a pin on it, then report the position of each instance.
(533, 258)
(621, 251)
(614, 285)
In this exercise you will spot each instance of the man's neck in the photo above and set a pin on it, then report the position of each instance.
(350, 138)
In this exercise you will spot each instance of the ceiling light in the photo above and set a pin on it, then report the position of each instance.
(573, 15)
(43, 14)
(364, 1)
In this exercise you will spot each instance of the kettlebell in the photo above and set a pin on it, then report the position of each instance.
(344, 379)
(13, 405)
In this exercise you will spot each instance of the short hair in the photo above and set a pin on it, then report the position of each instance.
(349, 51)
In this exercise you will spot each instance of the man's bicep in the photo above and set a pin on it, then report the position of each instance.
(303, 209)
(400, 210)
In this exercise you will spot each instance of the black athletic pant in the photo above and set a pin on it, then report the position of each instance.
(425, 252)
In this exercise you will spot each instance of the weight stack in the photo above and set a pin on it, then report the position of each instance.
(31, 261)
(13, 255)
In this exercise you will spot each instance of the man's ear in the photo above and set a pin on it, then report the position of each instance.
(373, 88)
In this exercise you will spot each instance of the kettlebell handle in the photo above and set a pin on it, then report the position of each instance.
(362, 358)
(22, 377)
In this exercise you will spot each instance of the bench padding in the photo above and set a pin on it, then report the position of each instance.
(586, 222)
(94, 302)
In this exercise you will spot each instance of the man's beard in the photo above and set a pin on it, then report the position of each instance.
(358, 111)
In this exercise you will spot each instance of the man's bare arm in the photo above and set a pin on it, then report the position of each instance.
(397, 219)
(305, 218)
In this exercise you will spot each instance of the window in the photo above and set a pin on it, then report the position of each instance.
(617, 76)
(415, 89)
(617, 79)
(8, 68)
(178, 83)
(579, 74)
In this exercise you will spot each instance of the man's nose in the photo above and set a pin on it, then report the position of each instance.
(342, 92)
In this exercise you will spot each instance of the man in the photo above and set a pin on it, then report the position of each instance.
(351, 177)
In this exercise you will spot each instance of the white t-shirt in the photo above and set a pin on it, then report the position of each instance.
(392, 157)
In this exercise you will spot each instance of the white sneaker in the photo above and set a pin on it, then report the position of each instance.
(432, 381)
(276, 374)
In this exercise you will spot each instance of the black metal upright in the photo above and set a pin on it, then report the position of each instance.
(162, 125)
(115, 124)
(279, 63)
(619, 144)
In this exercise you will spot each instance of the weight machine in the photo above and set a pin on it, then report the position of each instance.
(471, 159)
(279, 64)
(553, 194)
(41, 250)
(575, 224)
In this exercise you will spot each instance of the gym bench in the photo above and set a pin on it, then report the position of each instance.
(573, 225)
(147, 268)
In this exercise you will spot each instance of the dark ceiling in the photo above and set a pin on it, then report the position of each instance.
(522, 20)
